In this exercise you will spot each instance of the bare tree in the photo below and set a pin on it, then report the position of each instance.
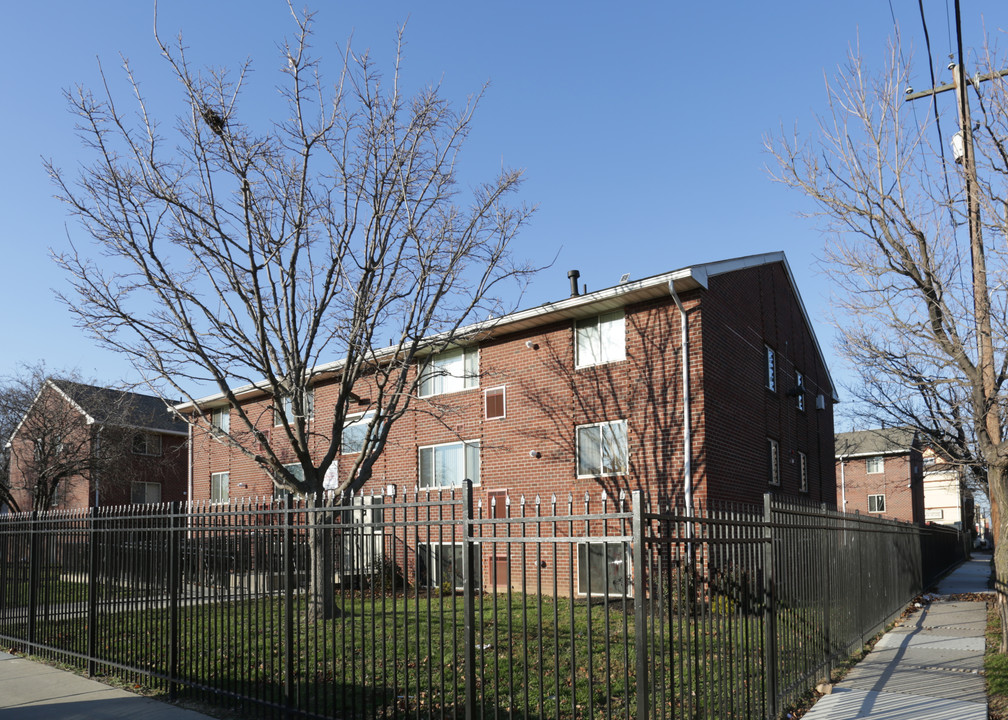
(236, 255)
(923, 319)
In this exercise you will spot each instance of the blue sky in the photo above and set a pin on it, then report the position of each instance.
(640, 125)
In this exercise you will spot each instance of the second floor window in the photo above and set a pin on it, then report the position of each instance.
(450, 371)
(146, 444)
(875, 465)
(495, 402)
(771, 369)
(600, 339)
(220, 420)
(284, 408)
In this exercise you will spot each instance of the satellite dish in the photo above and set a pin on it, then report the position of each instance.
(623, 278)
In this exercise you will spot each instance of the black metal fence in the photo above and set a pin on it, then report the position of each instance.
(427, 605)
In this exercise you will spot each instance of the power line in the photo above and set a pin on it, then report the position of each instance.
(934, 106)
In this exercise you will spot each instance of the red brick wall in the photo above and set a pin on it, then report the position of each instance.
(742, 313)
(547, 398)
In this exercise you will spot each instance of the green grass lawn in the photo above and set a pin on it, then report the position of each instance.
(385, 656)
(995, 668)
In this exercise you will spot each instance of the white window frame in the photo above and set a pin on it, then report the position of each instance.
(486, 394)
(355, 421)
(875, 497)
(431, 556)
(775, 468)
(280, 493)
(437, 379)
(282, 407)
(771, 369)
(147, 486)
(471, 470)
(608, 344)
(218, 477)
(602, 426)
(623, 568)
(220, 420)
(800, 383)
(803, 471)
(149, 439)
(876, 461)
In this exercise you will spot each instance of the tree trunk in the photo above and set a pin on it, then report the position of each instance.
(322, 578)
(997, 492)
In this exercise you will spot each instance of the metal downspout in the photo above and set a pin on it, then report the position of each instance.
(189, 494)
(687, 432)
(843, 487)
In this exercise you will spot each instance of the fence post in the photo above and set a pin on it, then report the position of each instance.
(469, 599)
(826, 566)
(92, 611)
(174, 580)
(770, 604)
(640, 612)
(288, 563)
(33, 579)
(859, 535)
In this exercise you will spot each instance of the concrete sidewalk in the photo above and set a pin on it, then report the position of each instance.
(33, 691)
(929, 666)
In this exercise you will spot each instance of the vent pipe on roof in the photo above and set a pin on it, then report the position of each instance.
(574, 275)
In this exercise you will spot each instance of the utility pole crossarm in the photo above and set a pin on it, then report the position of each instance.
(974, 81)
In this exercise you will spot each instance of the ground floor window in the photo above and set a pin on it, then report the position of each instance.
(145, 493)
(219, 490)
(440, 563)
(449, 464)
(602, 449)
(774, 453)
(363, 535)
(604, 568)
(876, 503)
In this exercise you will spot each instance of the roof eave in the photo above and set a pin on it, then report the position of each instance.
(572, 308)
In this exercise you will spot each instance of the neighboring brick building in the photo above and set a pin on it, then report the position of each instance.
(881, 472)
(104, 447)
(586, 394)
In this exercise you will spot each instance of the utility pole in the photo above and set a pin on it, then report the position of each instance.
(981, 292)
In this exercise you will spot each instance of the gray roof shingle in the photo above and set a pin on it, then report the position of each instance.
(880, 441)
(122, 408)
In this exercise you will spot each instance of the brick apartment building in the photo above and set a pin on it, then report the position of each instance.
(114, 447)
(881, 472)
(586, 394)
